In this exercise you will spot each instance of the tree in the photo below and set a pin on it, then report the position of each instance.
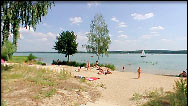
(27, 13)
(98, 38)
(66, 43)
(7, 50)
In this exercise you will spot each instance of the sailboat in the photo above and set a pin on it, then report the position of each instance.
(143, 54)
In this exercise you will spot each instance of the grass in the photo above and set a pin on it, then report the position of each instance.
(110, 66)
(18, 59)
(160, 98)
(40, 83)
(3, 103)
(23, 59)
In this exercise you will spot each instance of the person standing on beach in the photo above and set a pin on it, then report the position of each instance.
(123, 67)
(139, 71)
(88, 65)
(57, 61)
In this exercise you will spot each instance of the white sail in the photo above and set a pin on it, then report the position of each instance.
(143, 54)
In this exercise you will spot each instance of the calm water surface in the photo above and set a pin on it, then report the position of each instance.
(168, 64)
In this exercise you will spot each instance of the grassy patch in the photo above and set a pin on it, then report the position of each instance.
(48, 92)
(18, 59)
(160, 98)
(110, 66)
(136, 96)
(3, 103)
(40, 83)
(6, 67)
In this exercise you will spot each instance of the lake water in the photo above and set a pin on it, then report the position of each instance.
(166, 64)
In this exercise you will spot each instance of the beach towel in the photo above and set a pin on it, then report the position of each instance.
(92, 78)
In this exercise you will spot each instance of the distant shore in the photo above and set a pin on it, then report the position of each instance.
(126, 52)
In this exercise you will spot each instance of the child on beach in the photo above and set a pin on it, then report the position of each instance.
(139, 71)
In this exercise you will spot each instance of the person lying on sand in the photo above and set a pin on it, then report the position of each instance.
(108, 72)
(183, 74)
(101, 71)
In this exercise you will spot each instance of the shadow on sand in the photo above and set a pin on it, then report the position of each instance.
(134, 78)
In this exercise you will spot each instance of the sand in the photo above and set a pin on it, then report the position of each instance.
(120, 86)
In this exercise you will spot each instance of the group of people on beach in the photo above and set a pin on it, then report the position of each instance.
(100, 70)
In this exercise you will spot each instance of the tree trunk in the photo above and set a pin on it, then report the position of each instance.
(68, 58)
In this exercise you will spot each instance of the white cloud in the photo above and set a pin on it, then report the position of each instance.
(147, 36)
(81, 37)
(142, 16)
(122, 24)
(76, 20)
(123, 36)
(87, 33)
(31, 32)
(92, 3)
(120, 31)
(114, 19)
(42, 39)
(26, 30)
(154, 32)
(157, 28)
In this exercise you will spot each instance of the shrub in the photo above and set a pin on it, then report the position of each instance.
(110, 66)
(7, 50)
(177, 98)
(71, 63)
(31, 57)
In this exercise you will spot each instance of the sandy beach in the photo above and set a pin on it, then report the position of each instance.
(120, 86)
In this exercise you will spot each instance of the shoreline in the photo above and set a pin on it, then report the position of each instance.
(171, 75)
(119, 86)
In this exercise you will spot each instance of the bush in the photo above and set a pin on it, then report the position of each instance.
(31, 57)
(110, 66)
(7, 50)
(71, 63)
(177, 98)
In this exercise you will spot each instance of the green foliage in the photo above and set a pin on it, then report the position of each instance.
(3, 103)
(7, 50)
(70, 63)
(27, 13)
(177, 98)
(136, 96)
(98, 38)
(110, 66)
(31, 57)
(66, 43)
(18, 59)
(63, 75)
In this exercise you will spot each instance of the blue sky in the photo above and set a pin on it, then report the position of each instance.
(132, 25)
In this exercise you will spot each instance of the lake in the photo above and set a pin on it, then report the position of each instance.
(166, 64)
